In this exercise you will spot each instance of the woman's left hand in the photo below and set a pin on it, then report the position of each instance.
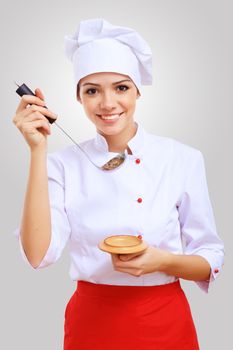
(150, 260)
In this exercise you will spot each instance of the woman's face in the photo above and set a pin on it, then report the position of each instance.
(109, 101)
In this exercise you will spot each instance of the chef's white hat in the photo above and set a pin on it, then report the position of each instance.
(98, 46)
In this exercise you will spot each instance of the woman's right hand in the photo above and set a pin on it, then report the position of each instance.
(31, 121)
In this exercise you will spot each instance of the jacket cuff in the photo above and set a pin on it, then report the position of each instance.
(48, 258)
(216, 264)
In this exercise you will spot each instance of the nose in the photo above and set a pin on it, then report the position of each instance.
(107, 102)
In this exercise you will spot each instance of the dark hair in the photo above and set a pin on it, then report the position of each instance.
(77, 91)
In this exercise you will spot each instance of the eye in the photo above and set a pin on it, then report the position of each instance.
(91, 91)
(122, 87)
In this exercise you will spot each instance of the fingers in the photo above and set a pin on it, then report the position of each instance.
(33, 110)
(127, 257)
(29, 99)
(126, 267)
(44, 111)
(31, 126)
(121, 261)
(27, 124)
(31, 119)
(39, 94)
(131, 266)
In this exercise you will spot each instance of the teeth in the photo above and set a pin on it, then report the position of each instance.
(110, 117)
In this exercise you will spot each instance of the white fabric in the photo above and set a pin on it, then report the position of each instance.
(88, 204)
(98, 46)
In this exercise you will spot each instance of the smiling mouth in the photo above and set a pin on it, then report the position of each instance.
(110, 116)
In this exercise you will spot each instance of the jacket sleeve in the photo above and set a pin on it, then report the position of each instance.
(197, 222)
(59, 221)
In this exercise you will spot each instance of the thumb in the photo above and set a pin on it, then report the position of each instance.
(123, 257)
(39, 94)
(126, 257)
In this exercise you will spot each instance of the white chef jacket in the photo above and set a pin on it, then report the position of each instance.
(88, 204)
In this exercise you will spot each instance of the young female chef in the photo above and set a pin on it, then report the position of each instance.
(159, 192)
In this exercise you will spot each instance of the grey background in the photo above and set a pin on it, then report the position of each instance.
(190, 100)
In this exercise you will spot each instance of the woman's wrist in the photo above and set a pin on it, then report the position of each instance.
(38, 150)
(189, 267)
(166, 262)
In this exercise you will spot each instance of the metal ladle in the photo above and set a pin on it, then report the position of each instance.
(110, 165)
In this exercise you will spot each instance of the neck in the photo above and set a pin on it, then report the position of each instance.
(119, 142)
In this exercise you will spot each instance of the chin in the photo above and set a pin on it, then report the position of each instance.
(110, 131)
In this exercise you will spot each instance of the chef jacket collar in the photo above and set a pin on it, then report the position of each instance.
(135, 143)
(99, 154)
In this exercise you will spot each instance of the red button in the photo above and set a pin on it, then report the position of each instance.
(139, 200)
(137, 161)
(216, 270)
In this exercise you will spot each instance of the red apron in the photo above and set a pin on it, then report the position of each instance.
(109, 317)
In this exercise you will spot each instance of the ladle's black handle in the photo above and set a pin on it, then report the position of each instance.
(24, 90)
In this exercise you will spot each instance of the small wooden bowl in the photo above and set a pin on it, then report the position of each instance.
(122, 244)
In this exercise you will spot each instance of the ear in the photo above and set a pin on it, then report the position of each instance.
(138, 94)
(79, 99)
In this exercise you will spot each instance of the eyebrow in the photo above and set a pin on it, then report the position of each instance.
(118, 82)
